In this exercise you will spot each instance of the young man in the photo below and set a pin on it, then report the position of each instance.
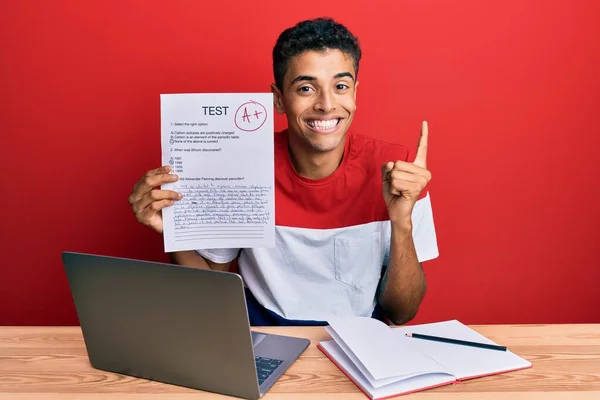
(353, 222)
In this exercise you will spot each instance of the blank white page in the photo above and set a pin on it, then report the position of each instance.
(380, 352)
(403, 386)
(359, 366)
(462, 361)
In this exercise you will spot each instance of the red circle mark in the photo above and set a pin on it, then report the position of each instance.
(250, 116)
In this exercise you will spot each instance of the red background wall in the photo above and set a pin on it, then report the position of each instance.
(511, 90)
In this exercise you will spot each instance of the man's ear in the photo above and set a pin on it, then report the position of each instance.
(277, 98)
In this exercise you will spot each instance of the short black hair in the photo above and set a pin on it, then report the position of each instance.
(317, 34)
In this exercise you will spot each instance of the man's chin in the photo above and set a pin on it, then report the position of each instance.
(321, 143)
(324, 146)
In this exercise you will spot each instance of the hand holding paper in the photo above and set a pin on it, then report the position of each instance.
(147, 201)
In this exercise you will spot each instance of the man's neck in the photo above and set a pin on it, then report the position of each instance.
(311, 164)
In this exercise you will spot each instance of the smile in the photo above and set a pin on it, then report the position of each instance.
(323, 125)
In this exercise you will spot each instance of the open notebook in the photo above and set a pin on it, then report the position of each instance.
(384, 362)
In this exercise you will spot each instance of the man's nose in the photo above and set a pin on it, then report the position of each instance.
(325, 102)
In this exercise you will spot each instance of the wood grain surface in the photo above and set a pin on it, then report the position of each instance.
(45, 363)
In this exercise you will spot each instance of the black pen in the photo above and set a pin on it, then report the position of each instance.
(456, 341)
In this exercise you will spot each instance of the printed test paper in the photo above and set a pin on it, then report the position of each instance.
(221, 147)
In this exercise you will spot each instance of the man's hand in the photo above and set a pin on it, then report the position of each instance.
(404, 181)
(147, 202)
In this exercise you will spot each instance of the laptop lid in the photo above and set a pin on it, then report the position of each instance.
(164, 322)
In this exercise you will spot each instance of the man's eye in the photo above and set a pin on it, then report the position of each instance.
(341, 86)
(304, 89)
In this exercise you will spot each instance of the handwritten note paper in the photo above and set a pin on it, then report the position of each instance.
(221, 147)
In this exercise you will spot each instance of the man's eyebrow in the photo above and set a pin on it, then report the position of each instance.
(300, 78)
(304, 78)
(344, 74)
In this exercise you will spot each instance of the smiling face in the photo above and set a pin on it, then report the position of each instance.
(319, 98)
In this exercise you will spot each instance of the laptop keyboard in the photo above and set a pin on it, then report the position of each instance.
(265, 367)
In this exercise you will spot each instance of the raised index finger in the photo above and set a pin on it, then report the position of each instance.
(421, 157)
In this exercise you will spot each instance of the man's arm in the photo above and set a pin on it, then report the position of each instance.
(192, 259)
(403, 285)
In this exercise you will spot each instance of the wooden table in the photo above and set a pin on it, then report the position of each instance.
(45, 363)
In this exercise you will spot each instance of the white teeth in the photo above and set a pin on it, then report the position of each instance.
(320, 124)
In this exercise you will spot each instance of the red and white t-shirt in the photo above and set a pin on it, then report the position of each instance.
(332, 236)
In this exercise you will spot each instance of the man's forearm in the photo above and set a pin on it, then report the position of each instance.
(192, 259)
(189, 259)
(403, 285)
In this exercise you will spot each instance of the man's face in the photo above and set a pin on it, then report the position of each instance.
(319, 97)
